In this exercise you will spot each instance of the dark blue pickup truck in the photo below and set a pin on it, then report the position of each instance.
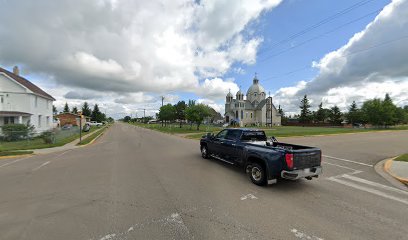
(264, 160)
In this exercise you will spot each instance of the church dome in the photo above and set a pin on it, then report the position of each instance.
(229, 94)
(255, 88)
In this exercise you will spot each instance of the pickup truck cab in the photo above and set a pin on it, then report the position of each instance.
(264, 161)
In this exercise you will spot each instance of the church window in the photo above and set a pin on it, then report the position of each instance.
(251, 115)
(236, 114)
(242, 114)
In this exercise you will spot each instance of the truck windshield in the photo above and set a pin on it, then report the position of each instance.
(253, 136)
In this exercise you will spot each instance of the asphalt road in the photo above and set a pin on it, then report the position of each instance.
(135, 183)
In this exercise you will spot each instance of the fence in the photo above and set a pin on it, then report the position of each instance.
(20, 140)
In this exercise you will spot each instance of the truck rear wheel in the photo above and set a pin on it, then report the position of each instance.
(257, 174)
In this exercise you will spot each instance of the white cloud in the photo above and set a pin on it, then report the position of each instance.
(215, 105)
(372, 63)
(131, 46)
(217, 88)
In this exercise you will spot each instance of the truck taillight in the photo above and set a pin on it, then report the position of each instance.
(289, 160)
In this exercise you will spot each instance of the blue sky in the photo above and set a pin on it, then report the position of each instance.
(125, 54)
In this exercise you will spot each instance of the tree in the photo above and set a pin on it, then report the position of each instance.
(97, 115)
(54, 110)
(372, 110)
(191, 102)
(75, 110)
(354, 114)
(180, 108)
(167, 113)
(335, 115)
(305, 113)
(86, 111)
(320, 115)
(388, 111)
(66, 108)
(196, 113)
(126, 119)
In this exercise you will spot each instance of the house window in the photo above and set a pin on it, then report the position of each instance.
(39, 121)
(8, 120)
(48, 120)
(36, 101)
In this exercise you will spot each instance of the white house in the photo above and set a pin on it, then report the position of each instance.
(255, 109)
(23, 102)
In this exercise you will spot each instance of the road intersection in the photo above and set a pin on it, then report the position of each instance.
(136, 183)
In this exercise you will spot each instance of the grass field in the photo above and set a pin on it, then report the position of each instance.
(175, 128)
(402, 158)
(286, 131)
(37, 142)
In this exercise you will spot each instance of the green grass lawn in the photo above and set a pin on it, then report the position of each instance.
(402, 158)
(289, 131)
(37, 142)
(92, 137)
(175, 128)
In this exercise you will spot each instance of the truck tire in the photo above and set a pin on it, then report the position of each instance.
(204, 152)
(257, 174)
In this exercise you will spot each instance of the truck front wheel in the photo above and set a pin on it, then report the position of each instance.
(257, 174)
(204, 152)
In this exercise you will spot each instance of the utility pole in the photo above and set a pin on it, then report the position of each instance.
(162, 98)
(144, 115)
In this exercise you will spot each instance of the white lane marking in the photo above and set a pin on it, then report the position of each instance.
(357, 179)
(250, 196)
(42, 165)
(9, 163)
(59, 155)
(302, 235)
(340, 166)
(370, 190)
(130, 229)
(346, 160)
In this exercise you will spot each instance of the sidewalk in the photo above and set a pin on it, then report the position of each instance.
(397, 169)
(68, 146)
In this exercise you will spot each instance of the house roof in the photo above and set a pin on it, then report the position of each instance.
(13, 114)
(35, 89)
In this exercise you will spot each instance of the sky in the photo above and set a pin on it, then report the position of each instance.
(125, 54)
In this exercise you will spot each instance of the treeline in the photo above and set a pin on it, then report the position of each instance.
(192, 112)
(95, 114)
(378, 112)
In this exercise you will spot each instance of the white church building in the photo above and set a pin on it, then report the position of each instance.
(255, 109)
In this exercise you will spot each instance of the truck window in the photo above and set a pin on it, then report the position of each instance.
(222, 134)
(253, 136)
(233, 134)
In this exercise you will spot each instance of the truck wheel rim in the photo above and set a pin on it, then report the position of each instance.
(204, 151)
(256, 173)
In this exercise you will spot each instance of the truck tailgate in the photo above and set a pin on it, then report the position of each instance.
(306, 159)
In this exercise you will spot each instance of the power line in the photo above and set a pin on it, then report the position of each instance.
(381, 44)
(322, 22)
(319, 36)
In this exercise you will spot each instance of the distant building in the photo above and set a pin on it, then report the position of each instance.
(23, 102)
(255, 109)
(72, 119)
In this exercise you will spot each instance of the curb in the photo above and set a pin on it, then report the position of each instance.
(93, 140)
(16, 156)
(387, 166)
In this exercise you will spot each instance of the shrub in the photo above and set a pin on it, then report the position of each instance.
(14, 132)
(48, 137)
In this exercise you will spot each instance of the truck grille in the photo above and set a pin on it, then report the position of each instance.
(306, 160)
